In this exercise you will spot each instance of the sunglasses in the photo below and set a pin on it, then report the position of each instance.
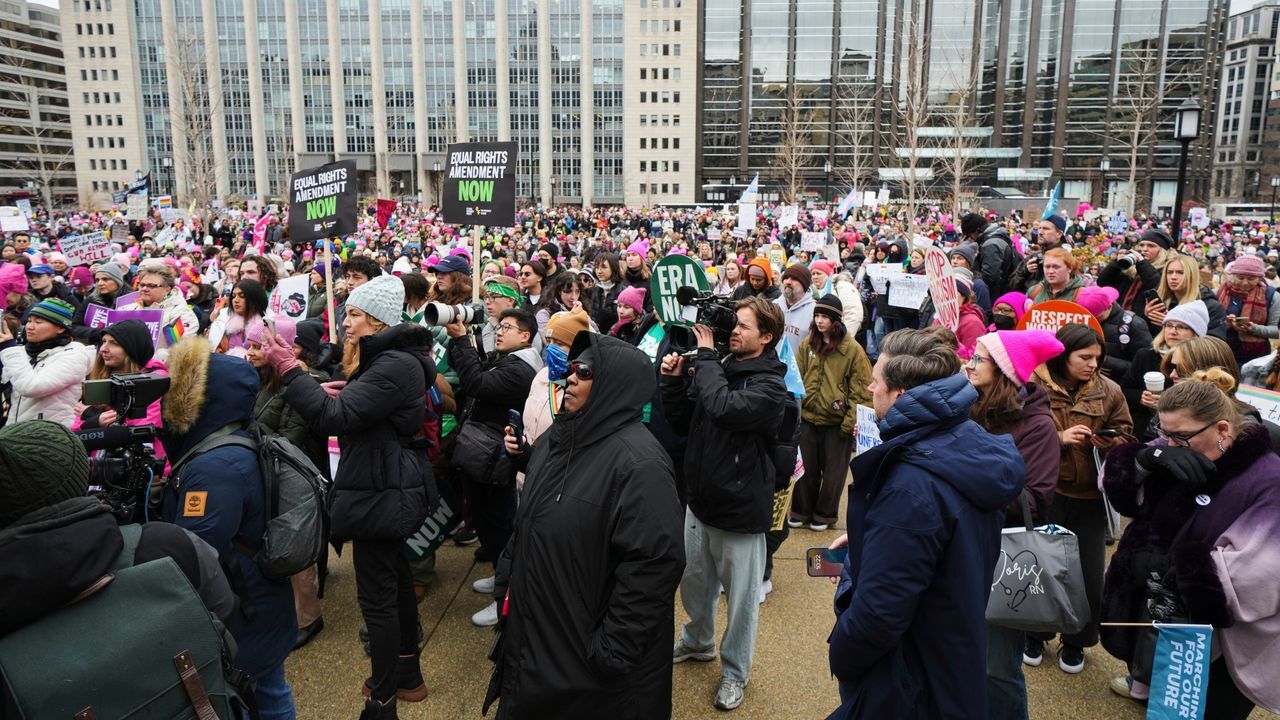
(582, 370)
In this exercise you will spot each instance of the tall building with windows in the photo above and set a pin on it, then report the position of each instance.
(36, 161)
(933, 99)
(1240, 133)
(234, 95)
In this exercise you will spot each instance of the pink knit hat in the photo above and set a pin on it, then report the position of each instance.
(286, 328)
(633, 297)
(639, 247)
(1016, 300)
(13, 278)
(1247, 265)
(1019, 352)
(824, 266)
(1097, 299)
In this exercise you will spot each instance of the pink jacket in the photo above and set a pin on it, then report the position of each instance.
(153, 410)
(1247, 557)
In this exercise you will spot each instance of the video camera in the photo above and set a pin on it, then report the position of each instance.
(715, 311)
(122, 463)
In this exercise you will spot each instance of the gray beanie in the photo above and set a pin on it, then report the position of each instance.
(382, 298)
(112, 271)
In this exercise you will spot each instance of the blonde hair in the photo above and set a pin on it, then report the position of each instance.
(1190, 280)
(351, 347)
(1202, 353)
(1207, 397)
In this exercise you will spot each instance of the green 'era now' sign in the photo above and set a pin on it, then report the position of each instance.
(669, 275)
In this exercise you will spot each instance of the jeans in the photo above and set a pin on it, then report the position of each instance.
(493, 515)
(273, 695)
(1006, 685)
(1088, 520)
(826, 450)
(716, 558)
(384, 589)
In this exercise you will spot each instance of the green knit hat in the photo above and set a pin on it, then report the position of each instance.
(58, 312)
(41, 464)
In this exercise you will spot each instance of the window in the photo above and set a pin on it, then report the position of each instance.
(677, 26)
(644, 26)
(653, 97)
(81, 52)
(675, 167)
(644, 121)
(93, 52)
(675, 189)
(677, 50)
(675, 73)
(644, 73)
(84, 75)
(113, 51)
(93, 164)
(78, 31)
(124, 164)
(117, 97)
(642, 96)
(666, 96)
(644, 166)
(664, 143)
(111, 142)
(95, 184)
(642, 140)
(113, 165)
(664, 188)
(115, 74)
(94, 74)
(120, 120)
(666, 50)
(644, 50)
(675, 96)
(675, 121)
(121, 143)
(90, 142)
(675, 143)
(111, 28)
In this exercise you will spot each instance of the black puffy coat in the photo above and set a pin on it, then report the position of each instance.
(1126, 333)
(997, 260)
(596, 557)
(384, 486)
(730, 412)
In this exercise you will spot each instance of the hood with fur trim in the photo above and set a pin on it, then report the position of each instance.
(190, 411)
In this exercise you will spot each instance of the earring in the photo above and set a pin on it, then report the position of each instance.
(1220, 447)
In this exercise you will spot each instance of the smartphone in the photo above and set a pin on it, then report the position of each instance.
(95, 392)
(1108, 433)
(517, 424)
(1151, 295)
(824, 562)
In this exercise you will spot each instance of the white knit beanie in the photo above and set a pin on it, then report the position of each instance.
(381, 298)
(1194, 315)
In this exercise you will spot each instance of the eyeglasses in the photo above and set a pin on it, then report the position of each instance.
(582, 370)
(149, 286)
(975, 360)
(492, 297)
(1178, 439)
(507, 327)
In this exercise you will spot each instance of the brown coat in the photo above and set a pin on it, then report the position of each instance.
(1099, 404)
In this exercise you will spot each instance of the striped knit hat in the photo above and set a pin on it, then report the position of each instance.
(58, 312)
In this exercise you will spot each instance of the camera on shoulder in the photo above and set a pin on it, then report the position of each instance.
(122, 463)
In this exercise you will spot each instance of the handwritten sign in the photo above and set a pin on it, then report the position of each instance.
(1054, 314)
(1266, 401)
(812, 241)
(789, 216)
(908, 291)
(85, 249)
(136, 207)
(746, 216)
(942, 287)
(12, 220)
(868, 430)
(879, 274)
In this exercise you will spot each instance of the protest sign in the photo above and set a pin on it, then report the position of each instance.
(437, 527)
(832, 253)
(870, 199)
(1199, 217)
(12, 220)
(812, 241)
(120, 233)
(882, 197)
(782, 498)
(1180, 672)
(908, 291)
(819, 215)
(777, 258)
(669, 275)
(260, 232)
(289, 299)
(24, 207)
(942, 288)
(1053, 314)
(789, 216)
(126, 300)
(151, 318)
(85, 249)
(136, 207)
(868, 430)
(1266, 401)
(480, 184)
(385, 210)
(746, 216)
(879, 274)
(322, 202)
(96, 316)
(713, 235)
(1117, 223)
(164, 201)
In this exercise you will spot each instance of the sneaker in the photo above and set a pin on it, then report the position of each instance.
(1032, 652)
(1070, 659)
(1125, 687)
(484, 586)
(794, 523)
(465, 535)
(730, 693)
(766, 587)
(817, 527)
(488, 617)
(683, 652)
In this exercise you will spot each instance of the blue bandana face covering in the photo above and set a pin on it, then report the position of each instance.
(557, 362)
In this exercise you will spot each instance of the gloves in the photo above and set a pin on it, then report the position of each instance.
(279, 354)
(1163, 603)
(1183, 464)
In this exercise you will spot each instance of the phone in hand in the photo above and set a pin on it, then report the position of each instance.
(1151, 296)
(824, 562)
(516, 423)
(1108, 433)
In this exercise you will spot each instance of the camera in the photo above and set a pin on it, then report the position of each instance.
(440, 314)
(1125, 261)
(715, 311)
(122, 463)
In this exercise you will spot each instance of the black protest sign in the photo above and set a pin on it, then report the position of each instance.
(322, 202)
(480, 184)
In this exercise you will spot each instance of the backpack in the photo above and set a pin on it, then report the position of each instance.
(296, 495)
(138, 643)
(432, 424)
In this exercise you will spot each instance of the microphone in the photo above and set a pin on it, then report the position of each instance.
(114, 436)
(686, 294)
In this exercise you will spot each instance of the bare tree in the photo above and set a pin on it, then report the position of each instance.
(958, 139)
(912, 107)
(198, 109)
(795, 149)
(854, 156)
(50, 141)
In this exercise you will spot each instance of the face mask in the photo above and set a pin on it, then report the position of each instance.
(1004, 322)
(557, 361)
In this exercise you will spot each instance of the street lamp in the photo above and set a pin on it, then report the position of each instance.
(1186, 128)
(1275, 185)
(1104, 166)
(435, 170)
(826, 195)
(552, 204)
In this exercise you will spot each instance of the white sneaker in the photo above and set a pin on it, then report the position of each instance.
(817, 527)
(794, 523)
(484, 586)
(766, 587)
(487, 617)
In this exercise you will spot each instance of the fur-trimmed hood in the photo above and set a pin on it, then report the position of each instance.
(190, 411)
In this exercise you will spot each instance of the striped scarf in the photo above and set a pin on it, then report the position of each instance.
(1253, 307)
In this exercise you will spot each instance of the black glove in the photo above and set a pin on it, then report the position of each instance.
(1163, 602)
(1183, 464)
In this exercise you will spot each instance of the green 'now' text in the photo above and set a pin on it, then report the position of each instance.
(475, 190)
(323, 207)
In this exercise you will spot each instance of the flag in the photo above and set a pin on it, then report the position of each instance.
(847, 203)
(1052, 207)
(173, 333)
(749, 195)
(793, 380)
(260, 233)
(1180, 673)
(385, 209)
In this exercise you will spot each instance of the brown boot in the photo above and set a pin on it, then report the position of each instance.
(410, 686)
(420, 593)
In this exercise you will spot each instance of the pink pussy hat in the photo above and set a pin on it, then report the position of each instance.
(1019, 352)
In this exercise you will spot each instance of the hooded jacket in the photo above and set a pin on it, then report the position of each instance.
(925, 512)
(796, 319)
(729, 412)
(48, 389)
(218, 494)
(996, 259)
(595, 559)
(384, 486)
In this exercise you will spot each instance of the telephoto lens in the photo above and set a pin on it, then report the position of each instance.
(440, 314)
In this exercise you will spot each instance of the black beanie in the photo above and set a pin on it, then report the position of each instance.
(1157, 236)
(972, 223)
(309, 334)
(133, 336)
(553, 250)
(830, 306)
(41, 464)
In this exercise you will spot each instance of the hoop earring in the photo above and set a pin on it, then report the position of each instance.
(1220, 447)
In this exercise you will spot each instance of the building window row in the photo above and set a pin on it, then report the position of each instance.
(101, 97)
(653, 144)
(659, 189)
(98, 52)
(652, 120)
(87, 28)
(106, 142)
(105, 185)
(647, 26)
(659, 50)
(655, 96)
(665, 74)
(665, 4)
(86, 75)
(98, 120)
(659, 166)
(102, 164)
(91, 5)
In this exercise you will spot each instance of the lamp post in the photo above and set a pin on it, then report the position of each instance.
(826, 194)
(435, 170)
(552, 204)
(1186, 128)
(1104, 166)
(1275, 185)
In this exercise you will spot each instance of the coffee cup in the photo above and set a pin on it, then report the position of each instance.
(1154, 382)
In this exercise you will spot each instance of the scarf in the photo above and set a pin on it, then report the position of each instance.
(1254, 307)
(34, 349)
(607, 286)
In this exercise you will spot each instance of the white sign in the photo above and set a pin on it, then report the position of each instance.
(289, 299)
(136, 207)
(12, 220)
(1117, 223)
(85, 249)
(879, 273)
(832, 253)
(812, 241)
(868, 430)
(1199, 218)
(908, 291)
(942, 287)
(789, 216)
(870, 199)
(713, 235)
(746, 216)
(818, 215)
(24, 207)
(882, 197)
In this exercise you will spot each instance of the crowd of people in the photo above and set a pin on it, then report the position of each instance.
(610, 463)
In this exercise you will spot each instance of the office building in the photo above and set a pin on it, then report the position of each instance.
(36, 162)
(1240, 133)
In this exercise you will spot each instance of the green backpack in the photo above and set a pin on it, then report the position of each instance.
(139, 643)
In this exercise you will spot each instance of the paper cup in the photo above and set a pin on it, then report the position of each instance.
(1154, 382)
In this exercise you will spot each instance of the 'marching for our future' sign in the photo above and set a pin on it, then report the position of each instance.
(480, 184)
(322, 202)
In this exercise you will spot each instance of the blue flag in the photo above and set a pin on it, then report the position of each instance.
(1054, 197)
(749, 195)
(1180, 674)
(847, 203)
(795, 384)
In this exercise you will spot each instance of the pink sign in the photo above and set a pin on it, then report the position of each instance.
(942, 287)
(260, 232)
(95, 316)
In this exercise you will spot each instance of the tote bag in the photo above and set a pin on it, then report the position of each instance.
(1038, 585)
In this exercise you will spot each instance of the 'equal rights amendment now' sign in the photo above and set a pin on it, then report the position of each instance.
(322, 202)
(480, 184)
